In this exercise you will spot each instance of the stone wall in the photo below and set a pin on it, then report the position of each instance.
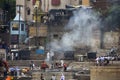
(111, 39)
(105, 73)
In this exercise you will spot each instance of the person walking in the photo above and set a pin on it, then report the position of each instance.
(32, 65)
(62, 77)
(53, 77)
(44, 66)
(42, 77)
(65, 66)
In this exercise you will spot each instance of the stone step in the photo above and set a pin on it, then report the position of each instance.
(16, 78)
(47, 75)
(24, 62)
(34, 56)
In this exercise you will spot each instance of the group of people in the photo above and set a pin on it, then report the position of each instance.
(9, 55)
(44, 65)
(110, 56)
(12, 56)
(60, 65)
(101, 61)
(43, 68)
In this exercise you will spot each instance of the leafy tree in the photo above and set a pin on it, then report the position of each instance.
(8, 6)
(113, 17)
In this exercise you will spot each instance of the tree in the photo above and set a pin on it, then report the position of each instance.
(8, 6)
(113, 17)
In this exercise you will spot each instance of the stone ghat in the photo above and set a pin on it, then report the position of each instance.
(47, 75)
(21, 78)
(38, 62)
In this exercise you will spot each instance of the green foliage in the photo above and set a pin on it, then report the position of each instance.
(8, 6)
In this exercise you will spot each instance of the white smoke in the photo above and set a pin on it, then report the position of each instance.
(79, 31)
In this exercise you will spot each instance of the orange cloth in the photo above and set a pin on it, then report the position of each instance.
(8, 78)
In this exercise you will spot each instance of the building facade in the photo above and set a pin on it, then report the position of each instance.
(27, 6)
(33, 16)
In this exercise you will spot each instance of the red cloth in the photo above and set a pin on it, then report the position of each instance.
(55, 2)
(6, 65)
(33, 1)
(44, 65)
(65, 65)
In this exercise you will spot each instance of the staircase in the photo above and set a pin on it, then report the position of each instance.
(47, 75)
(25, 63)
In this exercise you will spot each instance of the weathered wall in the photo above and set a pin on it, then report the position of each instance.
(111, 39)
(105, 73)
(41, 31)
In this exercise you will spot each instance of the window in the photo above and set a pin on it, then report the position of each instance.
(80, 2)
(14, 39)
(94, 0)
(22, 27)
(15, 26)
(28, 12)
(19, 7)
(55, 36)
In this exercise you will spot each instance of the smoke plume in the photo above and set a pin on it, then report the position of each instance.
(79, 31)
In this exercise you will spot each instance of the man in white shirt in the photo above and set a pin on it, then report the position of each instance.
(53, 77)
(98, 60)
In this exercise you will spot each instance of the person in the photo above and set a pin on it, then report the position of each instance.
(8, 56)
(65, 66)
(97, 61)
(62, 63)
(48, 56)
(5, 67)
(53, 77)
(32, 65)
(52, 55)
(62, 77)
(113, 51)
(106, 62)
(12, 56)
(102, 59)
(16, 56)
(44, 66)
(42, 77)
